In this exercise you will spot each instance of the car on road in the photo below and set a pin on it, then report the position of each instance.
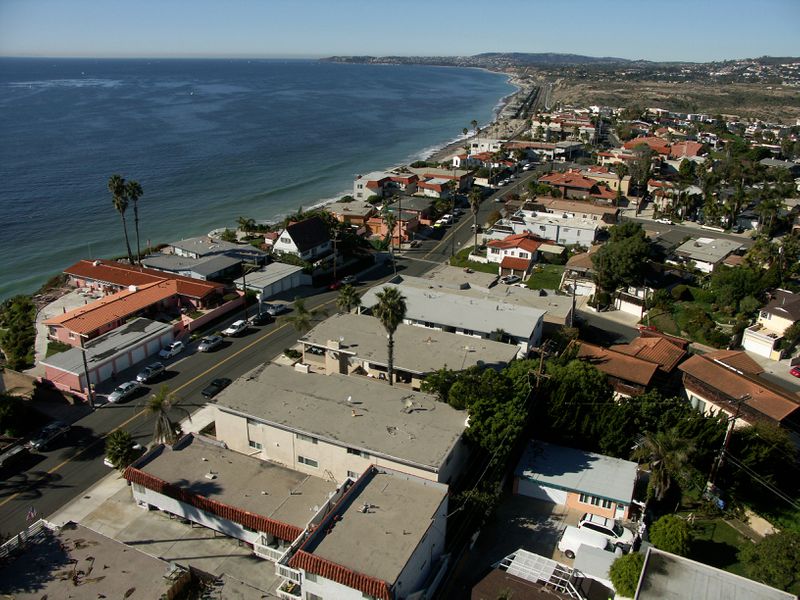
(457, 212)
(47, 435)
(794, 371)
(664, 221)
(527, 167)
(150, 372)
(122, 391)
(235, 328)
(609, 528)
(261, 318)
(503, 182)
(208, 343)
(215, 387)
(335, 285)
(274, 310)
(349, 280)
(173, 349)
(509, 279)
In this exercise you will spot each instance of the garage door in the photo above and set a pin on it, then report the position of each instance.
(534, 490)
(138, 354)
(123, 362)
(105, 371)
(153, 346)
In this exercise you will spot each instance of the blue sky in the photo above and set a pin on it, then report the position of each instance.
(696, 30)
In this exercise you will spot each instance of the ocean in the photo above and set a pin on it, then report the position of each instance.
(208, 140)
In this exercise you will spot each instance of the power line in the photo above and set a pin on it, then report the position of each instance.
(759, 479)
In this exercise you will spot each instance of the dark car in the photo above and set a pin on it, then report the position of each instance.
(261, 319)
(47, 435)
(150, 372)
(215, 387)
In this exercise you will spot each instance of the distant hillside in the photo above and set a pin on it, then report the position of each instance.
(548, 58)
(487, 59)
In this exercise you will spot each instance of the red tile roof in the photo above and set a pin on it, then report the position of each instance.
(122, 275)
(682, 149)
(655, 144)
(371, 586)
(658, 350)
(617, 364)
(116, 307)
(570, 179)
(517, 264)
(736, 359)
(525, 241)
(281, 530)
(760, 396)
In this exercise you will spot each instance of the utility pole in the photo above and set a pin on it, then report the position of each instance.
(335, 256)
(89, 391)
(574, 289)
(726, 442)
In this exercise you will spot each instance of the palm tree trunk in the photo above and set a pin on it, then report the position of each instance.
(136, 225)
(127, 241)
(391, 359)
(475, 229)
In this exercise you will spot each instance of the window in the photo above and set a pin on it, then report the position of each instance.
(254, 445)
(523, 255)
(310, 596)
(352, 475)
(138, 488)
(310, 462)
(355, 452)
(306, 438)
(286, 240)
(312, 577)
(595, 501)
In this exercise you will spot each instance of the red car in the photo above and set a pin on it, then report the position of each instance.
(335, 285)
(795, 371)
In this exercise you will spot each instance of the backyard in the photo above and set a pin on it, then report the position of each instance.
(546, 277)
(461, 260)
(716, 543)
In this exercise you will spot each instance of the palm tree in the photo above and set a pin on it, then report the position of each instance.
(303, 319)
(390, 220)
(390, 311)
(120, 448)
(474, 124)
(116, 185)
(246, 224)
(158, 405)
(475, 196)
(348, 299)
(668, 456)
(134, 191)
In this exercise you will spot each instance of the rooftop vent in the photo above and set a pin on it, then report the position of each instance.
(211, 475)
(133, 288)
(96, 263)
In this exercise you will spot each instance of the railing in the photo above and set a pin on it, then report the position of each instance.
(268, 552)
(23, 536)
(759, 331)
(289, 590)
(288, 573)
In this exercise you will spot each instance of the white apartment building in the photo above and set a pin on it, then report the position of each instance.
(780, 313)
(560, 228)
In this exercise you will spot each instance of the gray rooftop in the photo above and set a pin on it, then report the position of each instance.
(446, 276)
(407, 426)
(380, 542)
(203, 246)
(594, 562)
(436, 171)
(268, 275)
(416, 349)
(240, 481)
(414, 203)
(666, 576)
(546, 218)
(355, 208)
(575, 470)
(44, 566)
(709, 250)
(107, 346)
(202, 266)
(428, 302)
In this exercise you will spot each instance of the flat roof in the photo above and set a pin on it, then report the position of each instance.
(456, 277)
(379, 542)
(404, 425)
(574, 470)
(710, 250)
(355, 208)
(108, 346)
(551, 219)
(428, 302)
(201, 266)
(416, 349)
(240, 481)
(43, 567)
(268, 275)
(666, 576)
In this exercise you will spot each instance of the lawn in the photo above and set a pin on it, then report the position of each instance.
(716, 543)
(460, 260)
(546, 277)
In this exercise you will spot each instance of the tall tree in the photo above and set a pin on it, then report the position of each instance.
(775, 560)
(134, 191)
(475, 196)
(667, 454)
(348, 299)
(158, 406)
(390, 221)
(303, 319)
(474, 124)
(120, 448)
(390, 311)
(116, 185)
(246, 224)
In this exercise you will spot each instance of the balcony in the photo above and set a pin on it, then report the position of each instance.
(268, 552)
(293, 575)
(289, 590)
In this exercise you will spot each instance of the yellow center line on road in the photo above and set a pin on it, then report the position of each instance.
(143, 411)
(445, 239)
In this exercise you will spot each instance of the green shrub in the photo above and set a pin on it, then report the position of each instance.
(625, 573)
(671, 534)
(292, 353)
(681, 293)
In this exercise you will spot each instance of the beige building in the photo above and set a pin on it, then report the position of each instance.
(335, 426)
(780, 313)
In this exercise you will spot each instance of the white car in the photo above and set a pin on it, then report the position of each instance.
(173, 349)
(609, 528)
(274, 310)
(235, 328)
(664, 221)
(509, 279)
(122, 391)
(573, 538)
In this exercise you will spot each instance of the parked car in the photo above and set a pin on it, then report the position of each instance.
(208, 343)
(609, 528)
(150, 372)
(664, 221)
(503, 182)
(47, 435)
(274, 310)
(349, 279)
(13, 453)
(457, 212)
(335, 285)
(122, 391)
(509, 279)
(261, 318)
(573, 538)
(173, 349)
(215, 387)
(235, 328)
(794, 371)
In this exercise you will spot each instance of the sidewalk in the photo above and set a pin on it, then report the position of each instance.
(777, 368)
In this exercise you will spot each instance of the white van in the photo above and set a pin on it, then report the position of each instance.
(573, 538)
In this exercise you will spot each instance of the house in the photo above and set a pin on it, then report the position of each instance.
(656, 144)
(461, 179)
(206, 247)
(273, 279)
(73, 561)
(445, 309)
(615, 156)
(560, 228)
(628, 375)
(667, 576)
(351, 344)
(383, 540)
(334, 426)
(213, 268)
(595, 483)
(792, 167)
(308, 239)
(106, 355)
(355, 213)
(576, 209)
(666, 351)
(263, 504)
(578, 274)
(435, 187)
(706, 253)
(728, 381)
(765, 336)
(406, 225)
(382, 184)
(572, 184)
(605, 176)
(514, 254)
